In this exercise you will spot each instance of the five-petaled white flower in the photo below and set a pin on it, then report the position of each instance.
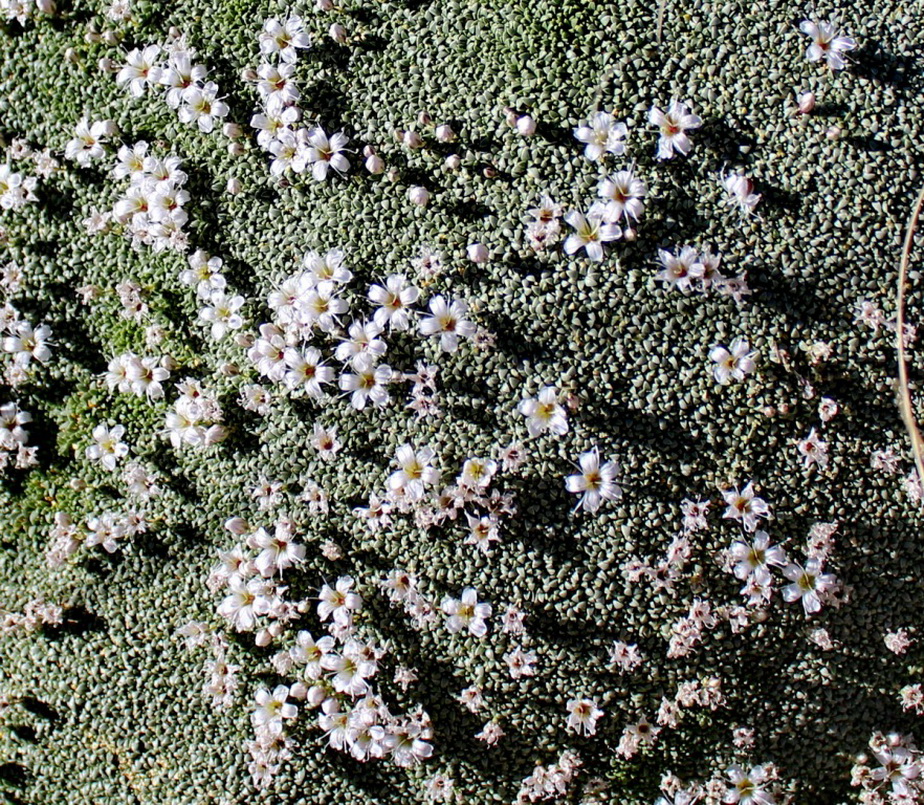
(202, 106)
(108, 446)
(591, 231)
(583, 715)
(748, 788)
(543, 413)
(466, 613)
(594, 483)
(326, 152)
(756, 558)
(284, 38)
(674, 125)
(813, 450)
(602, 135)
(744, 506)
(339, 601)
(447, 320)
(827, 43)
(394, 300)
(415, 472)
(141, 70)
(734, 363)
(623, 193)
(808, 584)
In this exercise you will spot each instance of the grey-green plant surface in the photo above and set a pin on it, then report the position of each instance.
(103, 701)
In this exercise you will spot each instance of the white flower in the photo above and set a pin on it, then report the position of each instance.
(543, 413)
(278, 552)
(466, 613)
(594, 483)
(363, 340)
(368, 384)
(520, 663)
(201, 106)
(276, 87)
(327, 267)
(602, 135)
(813, 450)
(305, 371)
(178, 75)
(222, 313)
(735, 363)
(756, 558)
(740, 191)
(624, 193)
(138, 72)
(590, 231)
(325, 441)
(827, 43)
(88, 141)
(809, 584)
(745, 507)
(284, 38)
(674, 124)
(678, 270)
(341, 601)
(272, 708)
(583, 715)
(108, 447)
(27, 343)
(748, 788)
(394, 300)
(447, 320)
(144, 376)
(415, 473)
(324, 153)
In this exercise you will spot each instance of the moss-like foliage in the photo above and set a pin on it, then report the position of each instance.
(107, 706)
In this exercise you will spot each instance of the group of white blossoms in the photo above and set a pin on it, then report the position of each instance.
(335, 669)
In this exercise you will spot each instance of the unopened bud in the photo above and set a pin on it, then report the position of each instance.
(453, 162)
(477, 253)
(419, 195)
(526, 126)
(375, 164)
(338, 33)
(232, 130)
(444, 133)
(806, 103)
(412, 139)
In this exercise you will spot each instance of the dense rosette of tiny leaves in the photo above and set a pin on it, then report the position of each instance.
(723, 335)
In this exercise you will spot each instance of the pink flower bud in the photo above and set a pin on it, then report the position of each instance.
(299, 691)
(338, 33)
(477, 253)
(375, 164)
(249, 74)
(234, 186)
(419, 195)
(444, 133)
(510, 116)
(263, 638)
(526, 126)
(232, 130)
(236, 149)
(453, 162)
(237, 526)
(423, 119)
(324, 5)
(317, 695)
(806, 103)
(216, 434)
(412, 139)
